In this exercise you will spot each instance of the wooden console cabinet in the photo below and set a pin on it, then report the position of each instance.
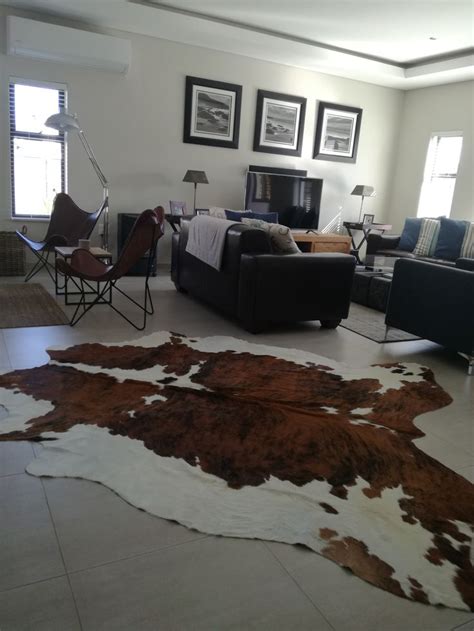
(322, 242)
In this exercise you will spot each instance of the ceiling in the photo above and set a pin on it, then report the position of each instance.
(386, 42)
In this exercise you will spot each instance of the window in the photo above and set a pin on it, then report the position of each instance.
(37, 154)
(441, 168)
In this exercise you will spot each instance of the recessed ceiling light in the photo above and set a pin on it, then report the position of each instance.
(433, 39)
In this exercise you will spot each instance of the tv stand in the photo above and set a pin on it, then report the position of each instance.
(322, 242)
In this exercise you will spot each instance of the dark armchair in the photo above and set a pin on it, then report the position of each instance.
(68, 224)
(435, 302)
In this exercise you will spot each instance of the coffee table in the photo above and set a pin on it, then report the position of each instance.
(62, 290)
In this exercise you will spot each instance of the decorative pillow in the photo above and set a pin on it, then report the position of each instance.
(281, 238)
(450, 238)
(410, 234)
(467, 247)
(428, 236)
(215, 211)
(237, 215)
(268, 217)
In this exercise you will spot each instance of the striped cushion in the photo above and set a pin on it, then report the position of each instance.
(467, 247)
(428, 237)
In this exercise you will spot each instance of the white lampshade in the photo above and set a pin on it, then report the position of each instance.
(63, 122)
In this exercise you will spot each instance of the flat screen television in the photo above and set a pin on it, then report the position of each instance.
(295, 198)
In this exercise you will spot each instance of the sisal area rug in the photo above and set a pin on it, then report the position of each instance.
(24, 305)
(245, 440)
(370, 323)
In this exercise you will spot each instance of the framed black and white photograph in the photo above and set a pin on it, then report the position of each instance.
(178, 208)
(212, 113)
(279, 123)
(368, 219)
(337, 132)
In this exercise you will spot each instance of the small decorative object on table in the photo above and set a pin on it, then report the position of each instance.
(368, 219)
(178, 208)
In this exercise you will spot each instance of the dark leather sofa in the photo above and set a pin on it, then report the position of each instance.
(260, 288)
(435, 302)
(387, 245)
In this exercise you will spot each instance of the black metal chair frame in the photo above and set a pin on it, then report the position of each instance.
(110, 284)
(108, 287)
(43, 249)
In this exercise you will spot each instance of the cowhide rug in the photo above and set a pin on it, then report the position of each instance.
(246, 440)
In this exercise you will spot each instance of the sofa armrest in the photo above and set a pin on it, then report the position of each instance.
(376, 242)
(433, 301)
(294, 287)
(465, 263)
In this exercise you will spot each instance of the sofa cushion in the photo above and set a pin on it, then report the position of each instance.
(236, 215)
(450, 238)
(280, 236)
(410, 234)
(216, 211)
(426, 243)
(467, 247)
(268, 217)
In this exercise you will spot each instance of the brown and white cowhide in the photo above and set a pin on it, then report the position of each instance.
(246, 440)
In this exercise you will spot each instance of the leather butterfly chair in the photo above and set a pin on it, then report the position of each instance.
(68, 224)
(84, 268)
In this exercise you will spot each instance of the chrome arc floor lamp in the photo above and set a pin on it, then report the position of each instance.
(64, 122)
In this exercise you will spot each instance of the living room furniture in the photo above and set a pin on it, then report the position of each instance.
(366, 229)
(125, 223)
(260, 288)
(67, 225)
(392, 246)
(322, 242)
(85, 268)
(64, 122)
(435, 302)
(371, 288)
(66, 252)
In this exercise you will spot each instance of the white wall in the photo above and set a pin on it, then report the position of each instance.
(135, 125)
(440, 108)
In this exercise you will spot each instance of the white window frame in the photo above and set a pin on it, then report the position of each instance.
(61, 138)
(428, 175)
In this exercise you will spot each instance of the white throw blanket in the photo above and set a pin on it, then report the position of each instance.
(206, 239)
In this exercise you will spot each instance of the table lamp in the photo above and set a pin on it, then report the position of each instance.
(197, 177)
(363, 190)
(64, 122)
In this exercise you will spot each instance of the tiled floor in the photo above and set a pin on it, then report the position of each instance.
(73, 555)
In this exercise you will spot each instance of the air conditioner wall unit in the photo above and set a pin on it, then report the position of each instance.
(49, 42)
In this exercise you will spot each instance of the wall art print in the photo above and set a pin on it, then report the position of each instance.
(212, 113)
(279, 123)
(337, 132)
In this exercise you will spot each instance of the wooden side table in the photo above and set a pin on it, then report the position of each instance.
(366, 229)
(323, 242)
(62, 290)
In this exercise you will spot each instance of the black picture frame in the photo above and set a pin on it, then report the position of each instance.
(279, 123)
(340, 142)
(212, 113)
(368, 219)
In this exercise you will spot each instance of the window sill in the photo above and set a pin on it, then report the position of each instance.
(33, 219)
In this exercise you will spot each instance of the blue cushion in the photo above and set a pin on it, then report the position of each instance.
(233, 215)
(450, 238)
(410, 234)
(268, 217)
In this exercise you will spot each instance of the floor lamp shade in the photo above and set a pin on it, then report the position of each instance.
(65, 122)
(363, 190)
(196, 177)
